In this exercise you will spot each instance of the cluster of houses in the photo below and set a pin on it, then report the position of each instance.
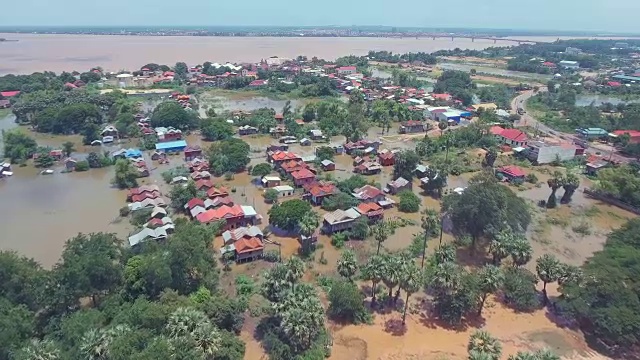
(136, 158)
(159, 224)
(372, 200)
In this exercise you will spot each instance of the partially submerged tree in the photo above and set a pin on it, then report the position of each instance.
(482, 342)
(555, 182)
(549, 270)
(347, 265)
(570, 185)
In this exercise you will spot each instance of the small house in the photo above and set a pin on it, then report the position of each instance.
(271, 181)
(421, 171)
(215, 192)
(198, 175)
(303, 176)
(305, 142)
(398, 185)
(592, 133)
(157, 155)
(192, 152)
(411, 127)
(328, 165)
(247, 130)
(592, 168)
(512, 173)
(109, 130)
(204, 184)
(172, 146)
(369, 193)
(372, 211)
(56, 154)
(317, 192)
(368, 168)
(386, 158)
(284, 190)
(339, 220)
(70, 164)
(179, 180)
(316, 134)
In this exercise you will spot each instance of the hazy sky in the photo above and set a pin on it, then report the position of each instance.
(594, 15)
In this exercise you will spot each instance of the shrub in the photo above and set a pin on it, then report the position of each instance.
(520, 289)
(272, 256)
(82, 165)
(531, 178)
(270, 196)
(339, 239)
(409, 202)
(124, 211)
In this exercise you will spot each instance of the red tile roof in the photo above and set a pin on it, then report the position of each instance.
(512, 170)
(214, 192)
(549, 64)
(386, 155)
(347, 68)
(321, 189)
(368, 192)
(223, 212)
(9, 94)
(303, 174)
(369, 208)
(145, 195)
(632, 133)
(204, 183)
(614, 83)
(284, 155)
(195, 202)
(514, 135)
(496, 130)
(247, 245)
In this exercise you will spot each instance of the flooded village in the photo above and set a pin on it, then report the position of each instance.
(293, 157)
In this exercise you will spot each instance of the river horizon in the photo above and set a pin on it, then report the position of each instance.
(62, 52)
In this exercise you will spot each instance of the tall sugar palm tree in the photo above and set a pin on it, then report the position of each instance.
(410, 281)
(392, 272)
(347, 265)
(93, 345)
(184, 321)
(308, 225)
(482, 342)
(429, 223)
(380, 234)
(501, 246)
(295, 269)
(549, 270)
(373, 271)
(521, 251)
(207, 339)
(446, 277)
(490, 280)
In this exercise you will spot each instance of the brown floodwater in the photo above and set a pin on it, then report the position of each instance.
(39, 52)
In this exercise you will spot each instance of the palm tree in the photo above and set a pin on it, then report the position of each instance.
(445, 253)
(554, 183)
(39, 350)
(543, 354)
(380, 234)
(207, 339)
(548, 269)
(523, 356)
(429, 223)
(442, 125)
(93, 345)
(490, 280)
(570, 185)
(392, 272)
(475, 355)
(446, 277)
(308, 225)
(569, 274)
(302, 321)
(295, 269)
(184, 321)
(490, 157)
(410, 281)
(521, 251)
(482, 342)
(373, 270)
(501, 246)
(347, 265)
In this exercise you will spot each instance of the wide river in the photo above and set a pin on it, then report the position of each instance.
(36, 52)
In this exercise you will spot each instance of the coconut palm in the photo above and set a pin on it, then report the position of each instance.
(39, 350)
(410, 281)
(380, 234)
(521, 251)
(490, 280)
(482, 342)
(373, 271)
(429, 224)
(548, 269)
(308, 225)
(570, 185)
(347, 265)
(501, 246)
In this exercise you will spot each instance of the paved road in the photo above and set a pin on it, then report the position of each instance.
(526, 119)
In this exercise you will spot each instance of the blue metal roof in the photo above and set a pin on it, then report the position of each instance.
(171, 145)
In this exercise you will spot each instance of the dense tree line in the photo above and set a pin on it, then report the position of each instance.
(390, 57)
(146, 303)
(456, 83)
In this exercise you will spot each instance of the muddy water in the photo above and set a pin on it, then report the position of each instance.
(58, 53)
(250, 104)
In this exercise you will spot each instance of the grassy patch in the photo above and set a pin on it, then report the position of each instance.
(557, 221)
(583, 228)
(4, 112)
(591, 211)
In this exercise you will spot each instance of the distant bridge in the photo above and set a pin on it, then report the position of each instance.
(472, 37)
